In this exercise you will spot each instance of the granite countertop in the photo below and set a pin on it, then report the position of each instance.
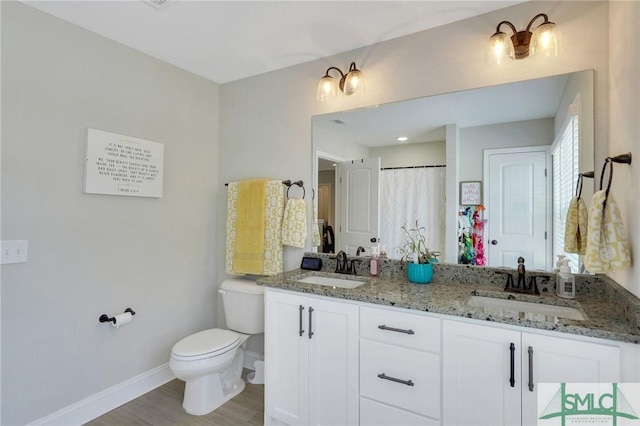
(606, 318)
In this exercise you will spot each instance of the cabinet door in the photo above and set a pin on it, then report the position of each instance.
(333, 362)
(479, 385)
(286, 359)
(559, 360)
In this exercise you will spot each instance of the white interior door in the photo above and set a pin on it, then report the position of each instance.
(359, 204)
(517, 196)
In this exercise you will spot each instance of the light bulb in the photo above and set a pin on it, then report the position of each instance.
(500, 48)
(544, 39)
(326, 89)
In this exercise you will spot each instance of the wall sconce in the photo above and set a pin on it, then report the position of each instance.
(524, 43)
(349, 83)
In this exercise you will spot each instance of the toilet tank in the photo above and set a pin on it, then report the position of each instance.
(243, 302)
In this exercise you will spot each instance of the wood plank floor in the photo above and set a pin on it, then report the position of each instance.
(163, 407)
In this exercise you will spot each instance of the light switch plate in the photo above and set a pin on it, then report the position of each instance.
(13, 251)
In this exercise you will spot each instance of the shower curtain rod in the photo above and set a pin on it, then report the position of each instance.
(413, 167)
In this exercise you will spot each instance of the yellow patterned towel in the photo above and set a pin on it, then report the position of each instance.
(607, 244)
(271, 236)
(274, 209)
(575, 228)
(315, 231)
(294, 224)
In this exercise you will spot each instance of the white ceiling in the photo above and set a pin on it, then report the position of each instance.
(228, 40)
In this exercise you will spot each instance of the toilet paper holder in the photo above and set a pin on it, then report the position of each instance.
(106, 318)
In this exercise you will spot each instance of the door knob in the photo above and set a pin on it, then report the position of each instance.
(494, 242)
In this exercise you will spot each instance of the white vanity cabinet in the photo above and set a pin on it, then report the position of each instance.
(399, 368)
(311, 356)
(490, 374)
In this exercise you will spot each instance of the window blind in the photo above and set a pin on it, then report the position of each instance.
(565, 160)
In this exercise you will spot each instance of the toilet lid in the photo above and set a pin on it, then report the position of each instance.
(206, 343)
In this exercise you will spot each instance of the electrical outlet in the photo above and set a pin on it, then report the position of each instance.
(13, 251)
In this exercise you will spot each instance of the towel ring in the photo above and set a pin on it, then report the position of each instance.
(622, 159)
(581, 177)
(301, 185)
(607, 161)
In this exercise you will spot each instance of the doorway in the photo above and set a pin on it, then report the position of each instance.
(518, 193)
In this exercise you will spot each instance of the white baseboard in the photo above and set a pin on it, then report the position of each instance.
(250, 358)
(102, 402)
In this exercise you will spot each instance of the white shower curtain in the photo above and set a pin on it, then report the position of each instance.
(411, 194)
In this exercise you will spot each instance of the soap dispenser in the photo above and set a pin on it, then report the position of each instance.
(565, 281)
(559, 263)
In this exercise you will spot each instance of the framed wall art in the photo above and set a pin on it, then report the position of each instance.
(471, 193)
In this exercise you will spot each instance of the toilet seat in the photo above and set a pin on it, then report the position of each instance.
(205, 344)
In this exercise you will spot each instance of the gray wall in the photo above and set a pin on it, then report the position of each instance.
(94, 254)
(624, 134)
(474, 140)
(412, 154)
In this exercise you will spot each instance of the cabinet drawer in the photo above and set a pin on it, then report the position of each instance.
(401, 377)
(376, 414)
(400, 328)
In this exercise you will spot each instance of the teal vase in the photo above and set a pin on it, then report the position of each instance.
(420, 273)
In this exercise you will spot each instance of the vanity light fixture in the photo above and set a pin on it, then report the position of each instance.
(349, 83)
(524, 43)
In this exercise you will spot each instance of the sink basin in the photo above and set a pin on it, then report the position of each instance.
(505, 305)
(332, 280)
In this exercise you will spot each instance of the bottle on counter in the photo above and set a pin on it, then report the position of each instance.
(374, 263)
(565, 281)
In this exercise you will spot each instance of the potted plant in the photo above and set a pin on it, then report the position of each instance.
(417, 255)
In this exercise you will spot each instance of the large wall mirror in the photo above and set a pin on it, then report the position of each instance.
(522, 145)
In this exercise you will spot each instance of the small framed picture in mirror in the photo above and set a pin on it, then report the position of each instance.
(471, 193)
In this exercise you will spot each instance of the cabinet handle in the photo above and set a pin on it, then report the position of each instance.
(310, 323)
(512, 380)
(300, 330)
(397, 330)
(530, 368)
(393, 379)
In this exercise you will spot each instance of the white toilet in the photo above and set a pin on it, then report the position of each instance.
(211, 361)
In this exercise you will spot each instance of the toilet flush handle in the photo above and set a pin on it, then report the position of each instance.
(222, 292)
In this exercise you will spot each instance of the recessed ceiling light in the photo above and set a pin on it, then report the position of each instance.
(402, 138)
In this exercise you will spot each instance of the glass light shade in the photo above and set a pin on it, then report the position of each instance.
(500, 48)
(544, 40)
(327, 89)
(353, 82)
